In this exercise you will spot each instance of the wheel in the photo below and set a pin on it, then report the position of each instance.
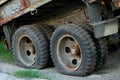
(48, 31)
(30, 47)
(73, 51)
(102, 51)
(101, 47)
(113, 42)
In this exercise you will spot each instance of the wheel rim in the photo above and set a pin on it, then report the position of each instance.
(69, 52)
(26, 50)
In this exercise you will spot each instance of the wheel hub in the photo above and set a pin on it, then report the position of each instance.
(30, 49)
(27, 51)
(69, 52)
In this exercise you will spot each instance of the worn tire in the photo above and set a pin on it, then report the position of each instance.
(102, 51)
(34, 44)
(48, 31)
(88, 61)
(101, 47)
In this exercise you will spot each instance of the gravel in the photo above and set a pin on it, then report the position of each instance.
(111, 71)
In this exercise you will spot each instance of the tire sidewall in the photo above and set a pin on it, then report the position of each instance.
(78, 37)
(29, 33)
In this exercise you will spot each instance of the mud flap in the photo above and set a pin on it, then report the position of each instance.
(105, 28)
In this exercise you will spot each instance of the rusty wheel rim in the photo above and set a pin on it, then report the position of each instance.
(69, 53)
(26, 50)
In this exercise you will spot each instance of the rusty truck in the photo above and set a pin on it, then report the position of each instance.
(70, 33)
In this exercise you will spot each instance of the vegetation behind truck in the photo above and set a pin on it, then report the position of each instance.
(70, 32)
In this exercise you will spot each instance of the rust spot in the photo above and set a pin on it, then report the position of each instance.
(24, 4)
(5, 20)
(25, 7)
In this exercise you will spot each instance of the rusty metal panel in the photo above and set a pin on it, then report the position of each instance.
(16, 8)
(3, 1)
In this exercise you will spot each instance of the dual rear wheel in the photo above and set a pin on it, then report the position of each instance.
(73, 50)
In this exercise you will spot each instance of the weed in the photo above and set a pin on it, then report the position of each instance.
(5, 56)
(29, 74)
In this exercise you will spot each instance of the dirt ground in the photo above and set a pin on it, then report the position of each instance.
(111, 71)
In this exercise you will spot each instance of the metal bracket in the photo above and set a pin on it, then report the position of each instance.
(106, 28)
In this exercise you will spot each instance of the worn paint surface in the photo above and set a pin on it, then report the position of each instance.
(11, 9)
(2, 1)
(15, 8)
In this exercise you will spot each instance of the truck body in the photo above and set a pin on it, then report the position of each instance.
(11, 10)
(102, 15)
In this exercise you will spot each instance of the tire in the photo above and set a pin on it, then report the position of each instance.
(113, 42)
(30, 47)
(83, 60)
(48, 31)
(102, 51)
(101, 47)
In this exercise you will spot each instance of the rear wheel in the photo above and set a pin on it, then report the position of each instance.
(30, 47)
(102, 51)
(73, 51)
(101, 47)
(48, 31)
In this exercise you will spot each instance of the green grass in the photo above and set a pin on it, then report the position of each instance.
(5, 56)
(29, 74)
